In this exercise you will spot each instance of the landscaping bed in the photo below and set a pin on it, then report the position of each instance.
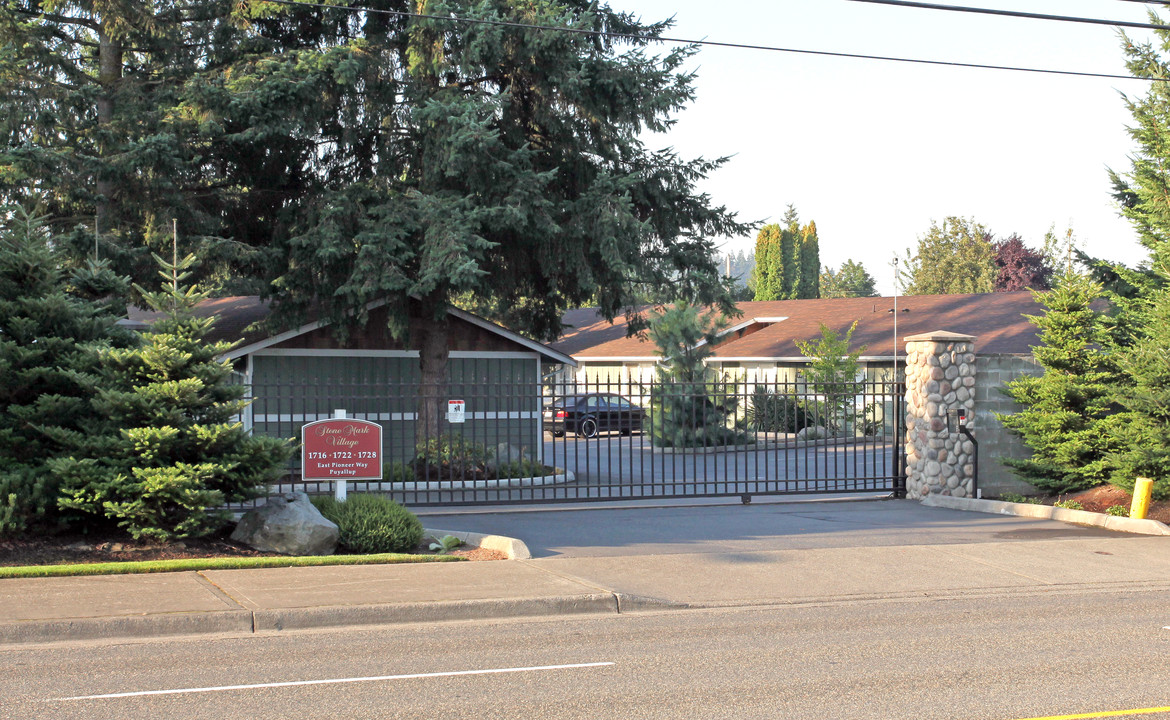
(84, 549)
(1100, 499)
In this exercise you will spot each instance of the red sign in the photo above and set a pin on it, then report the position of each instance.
(341, 449)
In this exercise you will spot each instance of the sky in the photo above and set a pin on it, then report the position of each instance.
(874, 152)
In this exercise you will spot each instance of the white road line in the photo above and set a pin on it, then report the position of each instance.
(335, 681)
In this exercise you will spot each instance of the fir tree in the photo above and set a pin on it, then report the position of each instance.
(1068, 416)
(690, 406)
(50, 338)
(171, 451)
(1142, 431)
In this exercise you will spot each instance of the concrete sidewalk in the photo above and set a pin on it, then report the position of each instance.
(971, 556)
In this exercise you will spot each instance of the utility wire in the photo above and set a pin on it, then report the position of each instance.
(708, 43)
(1015, 13)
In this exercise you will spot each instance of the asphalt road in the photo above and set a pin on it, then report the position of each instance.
(1002, 656)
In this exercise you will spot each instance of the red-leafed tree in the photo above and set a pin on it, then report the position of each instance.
(1019, 267)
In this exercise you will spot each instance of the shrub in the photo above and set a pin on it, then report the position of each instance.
(1117, 511)
(451, 456)
(397, 471)
(1018, 498)
(372, 524)
(777, 412)
(1068, 505)
(522, 468)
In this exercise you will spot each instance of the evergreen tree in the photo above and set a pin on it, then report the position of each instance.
(952, 258)
(170, 452)
(1142, 434)
(768, 273)
(851, 280)
(690, 406)
(50, 337)
(809, 283)
(1068, 416)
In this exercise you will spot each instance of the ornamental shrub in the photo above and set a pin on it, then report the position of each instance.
(370, 524)
(777, 412)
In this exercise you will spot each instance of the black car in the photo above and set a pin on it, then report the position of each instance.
(588, 415)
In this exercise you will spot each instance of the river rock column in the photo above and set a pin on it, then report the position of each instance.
(940, 376)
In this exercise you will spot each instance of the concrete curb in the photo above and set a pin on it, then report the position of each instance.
(127, 626)
(1076, 517)
(244, 622)
(511, 547)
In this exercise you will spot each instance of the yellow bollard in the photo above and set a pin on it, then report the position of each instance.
(1141, 498)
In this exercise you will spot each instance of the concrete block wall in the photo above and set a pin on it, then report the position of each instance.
(992, 372)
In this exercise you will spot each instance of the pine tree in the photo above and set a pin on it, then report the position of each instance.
(50, 338)
(1068, 416)
(171, 451)
(690, 406)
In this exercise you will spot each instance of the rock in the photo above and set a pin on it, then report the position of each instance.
(287, 524)
(506, 453)
(812, 432)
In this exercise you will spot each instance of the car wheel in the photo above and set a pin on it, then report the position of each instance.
(588, 428)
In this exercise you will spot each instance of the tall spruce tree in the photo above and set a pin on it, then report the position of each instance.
(1068, 416)
(51, 333)
(170, 451)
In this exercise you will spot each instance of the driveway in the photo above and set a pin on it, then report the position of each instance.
(730, 527)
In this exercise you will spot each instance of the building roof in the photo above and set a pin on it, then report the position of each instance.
(239, 319)
(770, 330)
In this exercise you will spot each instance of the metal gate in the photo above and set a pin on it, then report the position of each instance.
(516, 443)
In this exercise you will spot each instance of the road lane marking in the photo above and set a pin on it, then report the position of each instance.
(336, 681)
(1107, 714)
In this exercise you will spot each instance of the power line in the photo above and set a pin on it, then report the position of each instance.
(708, 43)
(1015, 13)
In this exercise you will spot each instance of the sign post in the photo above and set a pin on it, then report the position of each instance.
(341, 449)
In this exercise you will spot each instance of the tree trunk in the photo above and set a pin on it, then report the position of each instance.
(109, 75)
(431, 336)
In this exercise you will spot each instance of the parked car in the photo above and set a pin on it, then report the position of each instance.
(588, 415)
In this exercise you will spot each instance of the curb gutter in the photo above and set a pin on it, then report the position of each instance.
(245, 622)
(1076, 517)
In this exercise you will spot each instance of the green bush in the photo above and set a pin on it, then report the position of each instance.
(523, 468)
(450, 457)
(1068, 505)
(1018, 498)
(372, 524)
(777, 412)
(397, 471)
(1117, 511)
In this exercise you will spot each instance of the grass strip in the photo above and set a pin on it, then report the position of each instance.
(223, 563)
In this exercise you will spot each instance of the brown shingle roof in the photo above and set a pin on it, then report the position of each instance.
(996, 320)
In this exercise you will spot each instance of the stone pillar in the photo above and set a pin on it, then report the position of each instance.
(940, 376)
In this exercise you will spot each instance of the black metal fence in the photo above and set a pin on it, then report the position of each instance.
(516, 442)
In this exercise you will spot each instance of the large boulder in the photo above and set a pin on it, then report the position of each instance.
(288, 524)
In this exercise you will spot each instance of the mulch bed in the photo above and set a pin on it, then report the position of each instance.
(1100, 499)
(71, 549)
